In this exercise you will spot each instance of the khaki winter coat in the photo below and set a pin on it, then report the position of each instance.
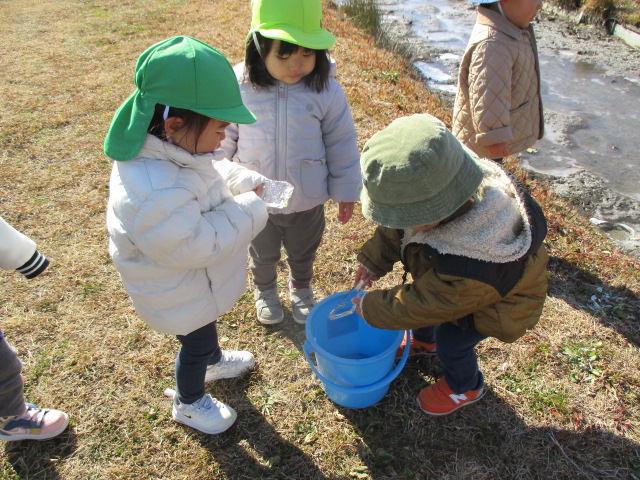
(484, 270)
(498, 98)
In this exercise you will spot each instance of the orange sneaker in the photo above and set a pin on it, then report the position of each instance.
(416, 347)
(439, 399)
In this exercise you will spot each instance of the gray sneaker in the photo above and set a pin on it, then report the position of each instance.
(268, 306)
(302, 302)
(232, 364)
(206, 414)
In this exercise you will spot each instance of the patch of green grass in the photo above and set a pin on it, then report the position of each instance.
(544, 401)
(91, 288)
(391, 77)
(47, 361)
(364, 14)
(582, 359)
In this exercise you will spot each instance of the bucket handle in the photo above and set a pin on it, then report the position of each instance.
(306, 348)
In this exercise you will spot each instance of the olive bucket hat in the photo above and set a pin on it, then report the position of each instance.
(294, 21)
(179, 72)
(415, 172)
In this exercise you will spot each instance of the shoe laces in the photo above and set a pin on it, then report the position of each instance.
(229, 356)
(35, 415)
(206, 403)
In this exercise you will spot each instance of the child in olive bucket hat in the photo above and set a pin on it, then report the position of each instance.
(470, 237)
(177, 235)
(304, 135)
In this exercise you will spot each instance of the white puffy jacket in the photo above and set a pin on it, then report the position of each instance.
(303, 137)
(15, 247)
(178, 237)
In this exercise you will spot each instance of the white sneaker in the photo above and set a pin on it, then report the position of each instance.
(232, 364)
(268, 306)
(207, 414)
(302, 302)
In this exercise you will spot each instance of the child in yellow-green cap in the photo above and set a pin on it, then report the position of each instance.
(178, 236)
(304, 135)
(472, 240)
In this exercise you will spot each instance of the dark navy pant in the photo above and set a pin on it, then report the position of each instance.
(199, 349)
(456, 350)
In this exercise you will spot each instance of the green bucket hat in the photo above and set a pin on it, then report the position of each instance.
(294, 21)
(180, 72)
(415, 172)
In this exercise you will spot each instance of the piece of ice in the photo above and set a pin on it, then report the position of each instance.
(276, 193)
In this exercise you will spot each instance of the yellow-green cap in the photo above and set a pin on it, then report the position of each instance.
(294, 21)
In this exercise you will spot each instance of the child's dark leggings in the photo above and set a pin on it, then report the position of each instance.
(199, 349)
(455, 348)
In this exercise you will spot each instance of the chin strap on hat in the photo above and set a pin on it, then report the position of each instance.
(165, 115)
(257, 44)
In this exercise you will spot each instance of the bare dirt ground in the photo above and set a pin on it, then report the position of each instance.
(591, 43)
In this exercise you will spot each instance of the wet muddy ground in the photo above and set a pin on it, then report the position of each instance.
(614, 213)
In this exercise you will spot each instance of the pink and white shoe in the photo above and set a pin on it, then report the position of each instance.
(34, 424)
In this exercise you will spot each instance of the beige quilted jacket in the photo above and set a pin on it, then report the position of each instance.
(498, 97)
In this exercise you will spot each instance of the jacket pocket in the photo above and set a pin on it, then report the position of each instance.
(522, 121)
(313, 178)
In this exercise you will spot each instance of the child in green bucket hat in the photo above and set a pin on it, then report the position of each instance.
(470, 236)
(177, 235)
(304, 135)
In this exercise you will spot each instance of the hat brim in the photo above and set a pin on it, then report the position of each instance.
(318, 40)
(237, 114)
(431, 210)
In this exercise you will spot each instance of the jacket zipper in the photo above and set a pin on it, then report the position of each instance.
(281, 137)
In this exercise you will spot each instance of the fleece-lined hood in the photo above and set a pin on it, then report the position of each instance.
(495, 229)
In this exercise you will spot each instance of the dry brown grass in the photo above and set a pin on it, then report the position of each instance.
(624, 11)
(562, 401)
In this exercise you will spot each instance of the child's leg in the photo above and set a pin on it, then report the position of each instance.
(302, 237)
(11, 386)
(191, 405)
(199, 349)
(19, 421)
(458, 357)
(425, 334)
(422, 342)
(265, 254)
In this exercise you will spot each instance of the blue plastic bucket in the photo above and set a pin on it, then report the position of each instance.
(355, 367)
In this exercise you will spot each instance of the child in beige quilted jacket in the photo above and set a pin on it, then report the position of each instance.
(498, 109)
